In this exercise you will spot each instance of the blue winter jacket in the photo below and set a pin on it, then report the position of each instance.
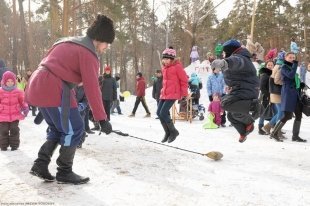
(215, 84)
(294, 47)
(194, 80)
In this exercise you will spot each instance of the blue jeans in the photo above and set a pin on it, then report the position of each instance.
(163, 108)
(278, 115)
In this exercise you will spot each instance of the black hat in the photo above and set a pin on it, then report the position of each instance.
(139, 74)
(102, 29)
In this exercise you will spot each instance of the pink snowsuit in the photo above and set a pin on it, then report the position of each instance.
(216, 109)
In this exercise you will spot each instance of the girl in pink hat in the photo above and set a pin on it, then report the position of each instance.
(175, 87)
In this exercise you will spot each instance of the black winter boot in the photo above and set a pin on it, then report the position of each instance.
(82, 140)
(167, 133)
(260, 130)
(173, 132)
(275, 134)
(296, 129)
(40, 166)
(65, 174)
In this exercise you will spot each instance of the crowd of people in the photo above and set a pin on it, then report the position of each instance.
(234, 88)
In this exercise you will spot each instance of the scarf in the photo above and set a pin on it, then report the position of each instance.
(9, 89)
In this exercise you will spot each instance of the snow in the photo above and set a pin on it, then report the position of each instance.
(128, 171)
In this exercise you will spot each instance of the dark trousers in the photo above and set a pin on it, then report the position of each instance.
(107, 107)
(138, 100)
(163, 110)
(52, 116)
(298, 113)
(33, 110)
(9, 134)
(86, 119)
(238, 112)
(116, 104)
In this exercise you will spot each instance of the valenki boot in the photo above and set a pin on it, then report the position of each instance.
(65, 175)
(40, 166)
(167, 133)
(173, 132)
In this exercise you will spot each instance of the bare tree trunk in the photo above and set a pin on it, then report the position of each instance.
(14, 55)
(55, 22)
(65, 18)
(24, 34)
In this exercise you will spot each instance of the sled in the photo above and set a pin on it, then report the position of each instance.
(185, 113)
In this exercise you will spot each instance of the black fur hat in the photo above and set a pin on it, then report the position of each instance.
(102, 29)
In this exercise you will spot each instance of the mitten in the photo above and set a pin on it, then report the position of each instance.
(81, 107)
(106, 126)
(25, 111)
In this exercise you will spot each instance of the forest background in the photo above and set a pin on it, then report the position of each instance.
(29, 28)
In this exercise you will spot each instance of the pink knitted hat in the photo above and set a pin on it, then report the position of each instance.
(169, 53)
(6, 76)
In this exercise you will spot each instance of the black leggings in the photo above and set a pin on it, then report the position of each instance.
(298, 114)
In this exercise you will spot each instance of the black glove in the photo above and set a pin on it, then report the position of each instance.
(106, 127)
(302, 85)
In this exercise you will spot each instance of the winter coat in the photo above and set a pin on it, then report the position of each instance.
(215, 84)
(11, 105)
(68, 62)
(140, 87)
(194, 80)
(271, 55)
(275, 81)
(80, 95)
(218, 50)
(194, 53)
(264, 75)
(157, 86)
(241, 76)
(215, 107)
(289, 93)
(307, 79)
(175, 81)
(108, 88)
(294, 47)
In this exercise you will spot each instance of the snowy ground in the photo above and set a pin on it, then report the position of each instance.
(126, 171)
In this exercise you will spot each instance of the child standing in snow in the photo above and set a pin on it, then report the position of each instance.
(12, 109)
(194, 83)
(216, 109)
(194, 54)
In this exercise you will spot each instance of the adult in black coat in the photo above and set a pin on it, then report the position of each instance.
(243, 87)
(264, 75)
(158, 85)
(108, 90)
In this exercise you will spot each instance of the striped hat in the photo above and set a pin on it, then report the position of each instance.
(169, 53)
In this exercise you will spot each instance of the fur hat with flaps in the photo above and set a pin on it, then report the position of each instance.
(6, 76)
(219, 64)
(102, 29)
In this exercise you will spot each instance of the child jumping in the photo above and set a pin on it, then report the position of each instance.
(216, 109)
(12, 109)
